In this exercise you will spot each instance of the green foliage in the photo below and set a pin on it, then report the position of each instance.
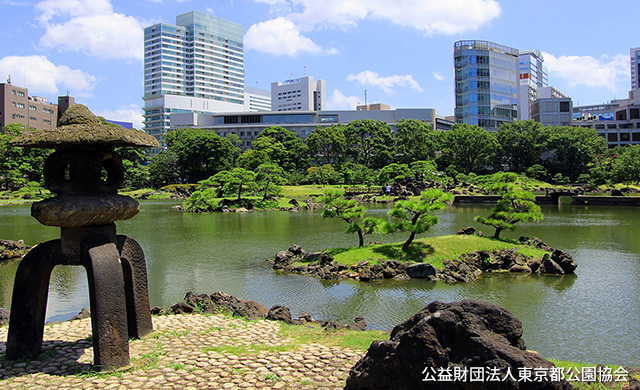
(18, 166)
(233, 181)
(467, 148)
(283, 147)
(200, 153)
(349, 211)
(538, 172)
(357, 174)
(415, 216)
(522, 143)
(270, 177)
(325, 174)
(164, 169)
(573, 149)
(202, 200)
(251, 159)
(515, 205)
(416, 140)
(626, 168)
(370, 143)
(328, 144)
(392, 172)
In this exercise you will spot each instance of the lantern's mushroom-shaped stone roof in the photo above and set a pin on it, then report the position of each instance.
(79, 127)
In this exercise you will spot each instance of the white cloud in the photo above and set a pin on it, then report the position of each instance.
(281, 37)
(428, 16)
(387, 83)
(131, 113)
(91, 27)
(437, 76)
(589, 71)
(339, 101)
(44, 77)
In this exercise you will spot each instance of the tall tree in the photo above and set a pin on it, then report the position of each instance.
(200, 153)
(232, 182)
(370, 143)
(573, 149)
(626, 168)
(522, 143)
(415, 140)
(415, 216)
(328, 145)
(469, 147)
(164, 169)
(283, 147)
(515, 205)
(270, 177)
(18, 166)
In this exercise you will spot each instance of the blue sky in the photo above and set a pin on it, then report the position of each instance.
(399, 51)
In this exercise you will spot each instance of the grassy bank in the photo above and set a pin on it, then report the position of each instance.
(432, 250)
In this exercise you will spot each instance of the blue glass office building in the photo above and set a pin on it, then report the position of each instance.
(486, 83)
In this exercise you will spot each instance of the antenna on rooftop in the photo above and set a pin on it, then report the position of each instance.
(365, 97)
(9, 79)
(305, 70)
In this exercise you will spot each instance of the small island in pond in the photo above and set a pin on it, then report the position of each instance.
(454, 258)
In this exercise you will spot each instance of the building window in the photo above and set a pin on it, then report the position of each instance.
(564, 107)
(20, 105)
(612, 137)
(20, 93)
(624, 137)
(32, 108)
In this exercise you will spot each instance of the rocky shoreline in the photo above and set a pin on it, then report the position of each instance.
(13, 249)
(465, 268)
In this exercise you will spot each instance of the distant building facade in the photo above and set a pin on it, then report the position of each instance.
(256, 99)
(303, 94)
(16, 106)
(196, 65)
(373, 107)
(635, 67)
(248, 125)
(621, 129)
(486, 83)
(551, 108)
(532, 75)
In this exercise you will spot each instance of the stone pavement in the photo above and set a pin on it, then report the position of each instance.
(184, 352)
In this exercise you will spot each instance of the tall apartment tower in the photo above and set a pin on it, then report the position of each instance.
(16, 106)
(533, 75)
(486, 83)
(635, 67)
(303, 94)
(196, 65)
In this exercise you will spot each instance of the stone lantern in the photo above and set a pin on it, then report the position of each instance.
(84, 172)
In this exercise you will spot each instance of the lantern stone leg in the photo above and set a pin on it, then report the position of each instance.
(84, 172)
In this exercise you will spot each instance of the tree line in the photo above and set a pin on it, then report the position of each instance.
(360, 152)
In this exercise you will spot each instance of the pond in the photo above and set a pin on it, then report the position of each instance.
(591, 316)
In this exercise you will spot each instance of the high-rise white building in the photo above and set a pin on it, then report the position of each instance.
(635, 67)
(196, 65)
(303, 94)
(533, 75)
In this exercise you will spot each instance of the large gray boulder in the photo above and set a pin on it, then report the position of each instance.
(456, 336)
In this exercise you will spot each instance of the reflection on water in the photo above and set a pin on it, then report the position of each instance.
(591, 316)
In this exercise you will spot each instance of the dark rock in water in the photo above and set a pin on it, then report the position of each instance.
(158, 311)
(469, 230)
(4, 317)
(279, 313)
(452, 336)
(358, 324)
(617, 193)
(12, 249)
(565, 261)
(422, 270)
(548, 266)
(84, 313)
(520, 268)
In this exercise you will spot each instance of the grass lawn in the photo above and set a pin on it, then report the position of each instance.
(306, 191)
(432, 250)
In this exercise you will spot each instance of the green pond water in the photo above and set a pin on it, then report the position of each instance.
(592, 316)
